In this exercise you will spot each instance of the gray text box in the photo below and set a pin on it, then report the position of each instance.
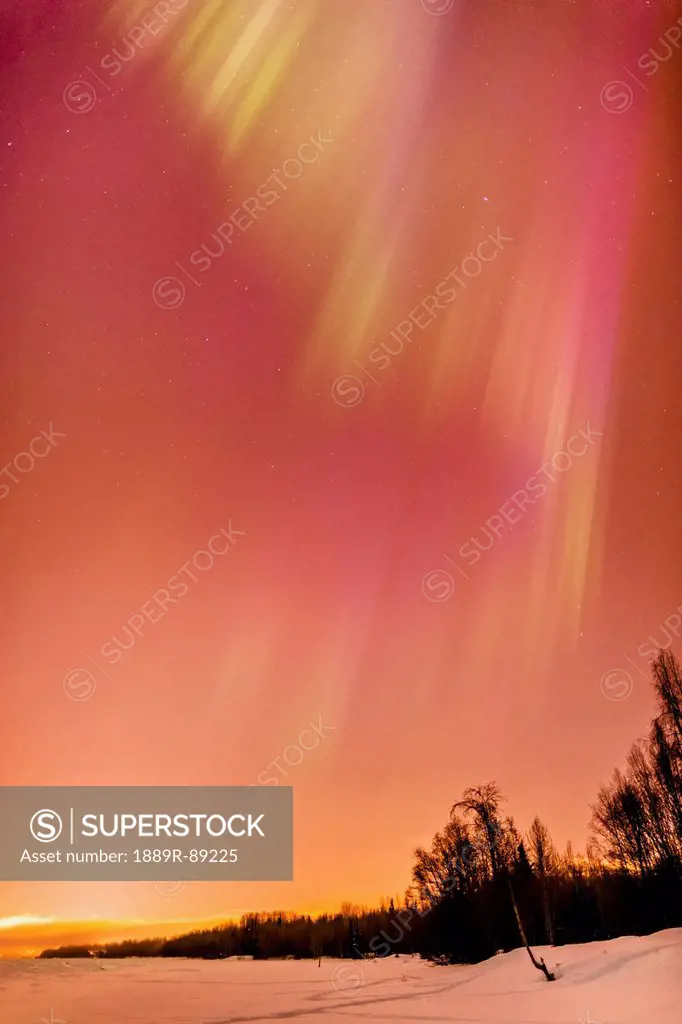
(146, 833)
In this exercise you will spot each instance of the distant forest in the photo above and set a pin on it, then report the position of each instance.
(483, 886)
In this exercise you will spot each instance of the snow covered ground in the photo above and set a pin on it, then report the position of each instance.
(624, 981)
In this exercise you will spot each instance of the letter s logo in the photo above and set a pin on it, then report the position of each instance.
(46, 826)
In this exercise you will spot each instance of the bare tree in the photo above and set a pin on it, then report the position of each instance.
(637, 819)
(452, 864)
(668, 684)
(483, 804)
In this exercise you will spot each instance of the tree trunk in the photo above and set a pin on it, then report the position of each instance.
(541, 966)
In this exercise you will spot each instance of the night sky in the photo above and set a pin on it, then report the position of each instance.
(472, 255)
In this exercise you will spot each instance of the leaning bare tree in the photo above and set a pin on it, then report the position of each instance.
(482, 803)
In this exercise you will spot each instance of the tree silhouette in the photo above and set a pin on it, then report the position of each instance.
(483, 803)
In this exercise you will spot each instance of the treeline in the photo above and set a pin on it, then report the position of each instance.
(262, 935)
(483, 886)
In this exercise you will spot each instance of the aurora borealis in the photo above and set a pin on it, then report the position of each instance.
(192, 398)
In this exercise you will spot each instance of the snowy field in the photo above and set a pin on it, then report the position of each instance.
(624, 981)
